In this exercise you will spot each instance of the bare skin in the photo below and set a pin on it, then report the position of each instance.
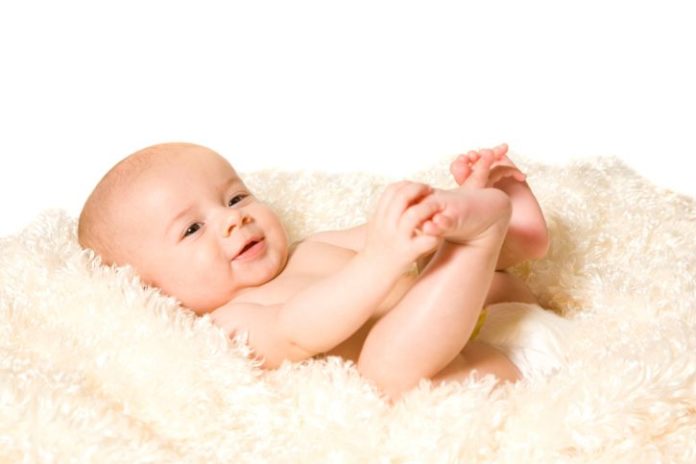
(474, 356)
(394, 347)
(189, 226)
(527, 236)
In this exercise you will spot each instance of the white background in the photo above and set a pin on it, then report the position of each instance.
(329, 85)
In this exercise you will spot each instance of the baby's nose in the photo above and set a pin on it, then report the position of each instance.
(233, 220)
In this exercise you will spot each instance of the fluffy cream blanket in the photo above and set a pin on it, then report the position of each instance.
(95, 368)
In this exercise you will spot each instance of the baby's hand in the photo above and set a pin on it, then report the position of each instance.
(394, 232)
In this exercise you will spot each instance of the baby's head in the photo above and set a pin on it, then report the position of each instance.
(179, 214)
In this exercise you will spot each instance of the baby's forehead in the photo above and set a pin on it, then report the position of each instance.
(160, 173)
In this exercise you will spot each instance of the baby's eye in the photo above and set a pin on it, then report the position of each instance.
(192, 229)
(236, 199)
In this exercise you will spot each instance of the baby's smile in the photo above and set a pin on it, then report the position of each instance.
(252, 249)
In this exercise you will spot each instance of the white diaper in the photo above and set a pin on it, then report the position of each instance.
(532, 337)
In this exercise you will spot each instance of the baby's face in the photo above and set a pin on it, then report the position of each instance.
(193, 229)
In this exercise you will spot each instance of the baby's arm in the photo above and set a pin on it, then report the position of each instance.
(317, 318)
(326, 313)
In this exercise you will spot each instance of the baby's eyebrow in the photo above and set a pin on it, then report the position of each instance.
(230, 182)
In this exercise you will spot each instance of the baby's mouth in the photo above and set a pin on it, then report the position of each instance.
(250, 245)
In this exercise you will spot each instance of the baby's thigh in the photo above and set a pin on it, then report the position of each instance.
(482, 358)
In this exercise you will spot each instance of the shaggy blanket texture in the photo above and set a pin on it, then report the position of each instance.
(95, 368)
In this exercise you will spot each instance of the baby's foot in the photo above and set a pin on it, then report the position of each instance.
(464, 212)
(467, 215)
(471, 211)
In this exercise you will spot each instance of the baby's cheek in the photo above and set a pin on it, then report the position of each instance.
(205, 293)
(193, 277)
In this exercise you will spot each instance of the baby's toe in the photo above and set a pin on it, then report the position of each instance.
(485, 162)
(500, 151)
(461, 170)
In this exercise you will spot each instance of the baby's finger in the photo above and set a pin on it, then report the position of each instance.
(410, 193)
(425, 243)
(384, 200)
(437, 225)
(381, 213)
(389, 198)
(405, 195)
(417, 214)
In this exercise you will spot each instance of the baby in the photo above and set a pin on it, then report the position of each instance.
(181, 216)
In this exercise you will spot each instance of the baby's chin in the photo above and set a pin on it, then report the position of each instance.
(202, 309)
(208, 303)
(199, 304)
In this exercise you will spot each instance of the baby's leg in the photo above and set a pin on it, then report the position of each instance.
(428, 328)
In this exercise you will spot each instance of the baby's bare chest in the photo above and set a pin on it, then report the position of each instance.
(308, 263)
